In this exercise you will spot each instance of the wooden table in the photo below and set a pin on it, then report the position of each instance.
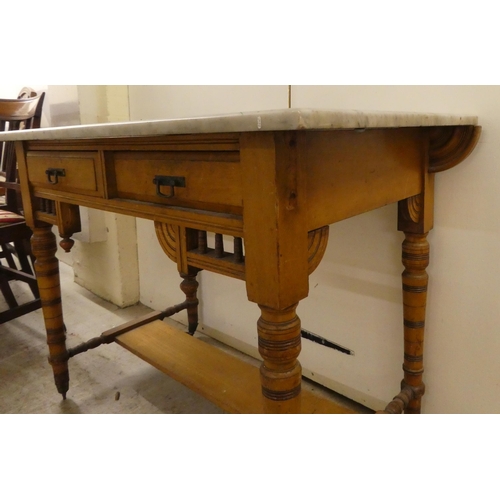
(273, 181)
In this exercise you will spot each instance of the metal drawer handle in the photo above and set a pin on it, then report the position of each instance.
(53, 174)
(168, 180)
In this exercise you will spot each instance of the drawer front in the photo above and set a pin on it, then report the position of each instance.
(72, 172)
(204, 180)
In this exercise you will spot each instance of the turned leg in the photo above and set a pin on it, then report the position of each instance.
(47, 271)
(189, 286)
(275, 224)
(281, 373)
(415, 260)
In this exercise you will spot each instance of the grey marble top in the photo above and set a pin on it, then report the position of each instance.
(285, 119)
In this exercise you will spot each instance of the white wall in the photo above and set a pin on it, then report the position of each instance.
(105, 255)
(355, 294)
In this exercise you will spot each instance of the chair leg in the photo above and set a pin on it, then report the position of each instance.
(7, 255)
(22, 257)
(7, 292)
(22, 251)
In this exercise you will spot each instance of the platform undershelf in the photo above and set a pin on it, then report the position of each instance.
(229, 382)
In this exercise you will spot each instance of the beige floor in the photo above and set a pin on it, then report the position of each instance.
(106, 380)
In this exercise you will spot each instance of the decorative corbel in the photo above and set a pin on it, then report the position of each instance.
(451, 145)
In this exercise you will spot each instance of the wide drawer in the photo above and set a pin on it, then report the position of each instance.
(72, 172)
(204, 180)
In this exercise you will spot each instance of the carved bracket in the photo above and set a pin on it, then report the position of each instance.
(451, 145)
(318, 240)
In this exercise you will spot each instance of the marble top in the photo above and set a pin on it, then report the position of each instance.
(285, 119)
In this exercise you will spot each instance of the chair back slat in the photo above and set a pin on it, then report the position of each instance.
(16, 114)
(19, 109)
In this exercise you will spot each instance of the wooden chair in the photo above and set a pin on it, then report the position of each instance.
(16, 262)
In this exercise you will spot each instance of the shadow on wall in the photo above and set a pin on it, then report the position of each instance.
(348, 266)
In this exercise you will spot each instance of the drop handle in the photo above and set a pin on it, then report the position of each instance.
(169, 181)
(53, 174)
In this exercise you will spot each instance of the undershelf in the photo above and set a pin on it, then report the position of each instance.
(227, 381)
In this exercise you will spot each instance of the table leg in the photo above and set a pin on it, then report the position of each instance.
(415, 258)
(189, 286)
(273, 169)
(47, 271)
(279, 345)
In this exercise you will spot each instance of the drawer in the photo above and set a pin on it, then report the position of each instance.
(72, 172)
(203, 180)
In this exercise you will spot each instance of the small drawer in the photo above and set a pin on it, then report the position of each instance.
(72, 172)
(203, 180)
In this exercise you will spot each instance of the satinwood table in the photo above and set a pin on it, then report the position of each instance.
(273, 181)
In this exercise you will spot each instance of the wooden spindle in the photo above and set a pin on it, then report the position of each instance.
(238, 249)
(189, 286)
(219, 246)
(110, 335)
(202, 241)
